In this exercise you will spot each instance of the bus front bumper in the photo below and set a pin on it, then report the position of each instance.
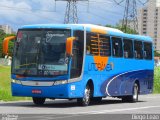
(64, 91)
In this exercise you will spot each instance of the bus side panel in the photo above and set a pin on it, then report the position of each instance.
(124, 75)
(98, 77)
(119, 80)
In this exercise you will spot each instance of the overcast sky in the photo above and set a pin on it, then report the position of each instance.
(22, 12)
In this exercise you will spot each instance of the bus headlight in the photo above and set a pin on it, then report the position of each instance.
(60, 82)
(16, 81)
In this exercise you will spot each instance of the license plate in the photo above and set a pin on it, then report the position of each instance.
(36, 91)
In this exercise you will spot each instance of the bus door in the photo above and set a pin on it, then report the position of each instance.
(77, 58)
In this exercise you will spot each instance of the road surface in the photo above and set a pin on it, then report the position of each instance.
(69, 110)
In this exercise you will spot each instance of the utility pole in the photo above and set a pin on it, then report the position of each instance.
(71, 11)
(130, 13)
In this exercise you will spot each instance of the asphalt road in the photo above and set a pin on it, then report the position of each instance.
(108, 109)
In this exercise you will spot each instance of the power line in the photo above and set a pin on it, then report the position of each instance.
(143, 3)
(31, 13)
(100, 8)
(28, 10)
(99, 16)
(118, 3)
(5, 6)
(97, 2)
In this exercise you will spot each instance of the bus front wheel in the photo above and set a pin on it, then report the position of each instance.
(38, 101)
(134, 97)
(85, 101)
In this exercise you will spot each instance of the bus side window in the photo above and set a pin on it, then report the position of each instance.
(88, 51)
(138, 49)
(98, 44)
(105, 48)
(135, 54)
(88, 43)
(92, 44)
(128, 48)
(117, 47)
(147, 51)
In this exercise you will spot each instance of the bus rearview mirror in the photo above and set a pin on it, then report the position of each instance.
(69, 45)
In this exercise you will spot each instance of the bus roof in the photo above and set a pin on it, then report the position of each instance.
(109, 31)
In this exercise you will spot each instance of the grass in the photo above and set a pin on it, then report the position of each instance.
(5, 89)
(156, 80)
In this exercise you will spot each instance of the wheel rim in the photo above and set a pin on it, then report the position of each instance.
(87, 95)
(135, 94)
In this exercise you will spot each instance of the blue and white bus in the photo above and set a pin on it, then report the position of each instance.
(81, 61)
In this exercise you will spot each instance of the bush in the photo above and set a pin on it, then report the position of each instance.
(157, 80)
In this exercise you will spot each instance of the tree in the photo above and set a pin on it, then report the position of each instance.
(11, 43)
(156, 54)
(128, 30)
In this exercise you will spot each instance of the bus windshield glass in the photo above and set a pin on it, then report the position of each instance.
(40, 52)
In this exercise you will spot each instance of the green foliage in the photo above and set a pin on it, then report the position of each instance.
(11, 43)
(156, 54)
(128, 30)
(157, 80)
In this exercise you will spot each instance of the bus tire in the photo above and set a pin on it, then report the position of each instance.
(134, 97)
(85, 101)
(38, 101)
(135, 93)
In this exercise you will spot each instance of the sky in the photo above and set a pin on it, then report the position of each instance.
(17, 13)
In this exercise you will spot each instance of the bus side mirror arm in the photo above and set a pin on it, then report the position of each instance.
(6, 43)
(69, 46)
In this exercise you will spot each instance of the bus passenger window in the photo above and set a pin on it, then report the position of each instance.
(98, 44)
(104, 45)
(92, 44)
(147, 51)
(138, 51)
(117, 47)
(88, 51)
(128, 48)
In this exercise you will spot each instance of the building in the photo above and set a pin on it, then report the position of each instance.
(149, 21)
(6, 28)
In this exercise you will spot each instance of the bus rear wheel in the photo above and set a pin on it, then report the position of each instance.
(38, 101)
(134, 97)
(135, 93)
(85, 101)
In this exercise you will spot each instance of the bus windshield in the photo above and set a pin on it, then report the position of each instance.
(40, 52)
